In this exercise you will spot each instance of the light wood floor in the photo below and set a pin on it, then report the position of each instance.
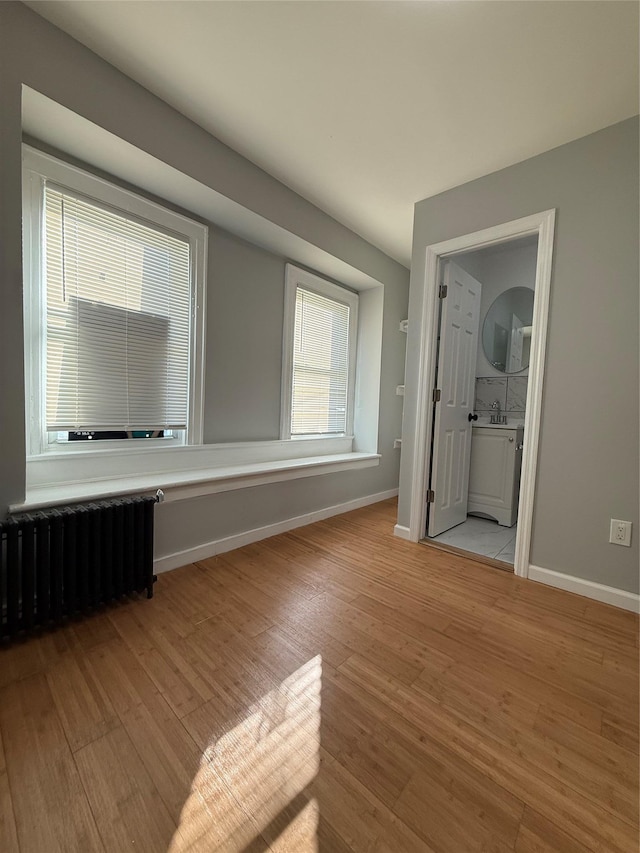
(333, 688)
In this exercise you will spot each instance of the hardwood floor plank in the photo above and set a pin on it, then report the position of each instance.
(8, 831)
(86, 633)
(80, 699)
(245, 603)
(158, 649)
(499, 714)
(189, 599)
(50, 804)
(357, 816)
(402, 612)
(319, 570)
(449, 822)
(169, 754)
(315, 640)
(419, 751)
(213, 820)
(349, 732)
(539, 835)
(19, 661)
(621, 731)
(282, 581)
(560, 680)
(127, 807)
(121, 675)
(559, 614)
(296, 829)
(560, 754)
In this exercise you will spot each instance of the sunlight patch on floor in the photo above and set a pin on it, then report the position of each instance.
(243, 794)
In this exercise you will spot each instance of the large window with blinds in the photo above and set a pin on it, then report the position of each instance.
(114, 311)
(318, 385)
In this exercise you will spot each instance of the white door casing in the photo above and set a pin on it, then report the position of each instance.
(422, 335)
(460, 318)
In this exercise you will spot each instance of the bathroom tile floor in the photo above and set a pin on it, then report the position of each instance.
(482, 536)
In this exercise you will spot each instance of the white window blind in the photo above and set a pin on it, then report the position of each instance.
(117, 319)
(320, 378)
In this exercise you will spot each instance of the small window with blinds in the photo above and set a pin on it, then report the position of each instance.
(113, 308)
(319, 372)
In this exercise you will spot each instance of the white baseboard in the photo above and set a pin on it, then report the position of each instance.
(402, 532)
(228, 543)
(590, 589)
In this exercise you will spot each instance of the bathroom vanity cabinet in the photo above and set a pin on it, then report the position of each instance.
(494, 477)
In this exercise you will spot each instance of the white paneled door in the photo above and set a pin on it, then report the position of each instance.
(460, 318)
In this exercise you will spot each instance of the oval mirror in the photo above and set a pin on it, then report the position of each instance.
(506, 331)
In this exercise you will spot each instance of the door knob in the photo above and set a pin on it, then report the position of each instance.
(472, 417)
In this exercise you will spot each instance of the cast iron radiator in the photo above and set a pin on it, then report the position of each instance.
(61, 562)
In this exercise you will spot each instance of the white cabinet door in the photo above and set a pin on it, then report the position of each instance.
(494, 476)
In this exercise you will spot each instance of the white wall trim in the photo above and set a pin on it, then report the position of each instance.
(402, 532)
(229, 543)
(590, 589)
(541, 224)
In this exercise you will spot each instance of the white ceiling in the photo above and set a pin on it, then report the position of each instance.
(365, 108)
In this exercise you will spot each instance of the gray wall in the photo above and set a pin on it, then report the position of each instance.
(243, 346)
(589, 444)
(245, 311)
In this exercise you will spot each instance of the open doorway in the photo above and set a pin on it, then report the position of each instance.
(423, 338)
(485, 328)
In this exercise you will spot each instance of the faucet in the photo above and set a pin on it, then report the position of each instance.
(497, 418)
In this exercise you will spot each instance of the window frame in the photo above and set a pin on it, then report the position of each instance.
(38, 168)
(296, 277)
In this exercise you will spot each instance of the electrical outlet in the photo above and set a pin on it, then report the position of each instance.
(620, 532)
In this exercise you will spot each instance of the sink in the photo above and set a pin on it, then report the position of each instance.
(512, 423)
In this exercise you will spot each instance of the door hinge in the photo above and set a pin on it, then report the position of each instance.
(430, 496)
(436, 395)
(442, 291)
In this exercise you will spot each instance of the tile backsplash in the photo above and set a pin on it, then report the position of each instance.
(510, 391)
(516, 393)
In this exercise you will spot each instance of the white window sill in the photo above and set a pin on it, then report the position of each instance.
(191, 483)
